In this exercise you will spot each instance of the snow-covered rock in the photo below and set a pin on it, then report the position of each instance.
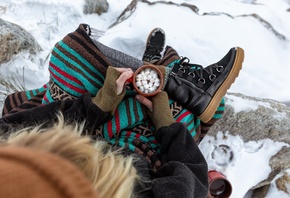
(256, 119)
(15, 39)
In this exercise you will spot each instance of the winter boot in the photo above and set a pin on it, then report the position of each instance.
(199, 89)
(154, 46)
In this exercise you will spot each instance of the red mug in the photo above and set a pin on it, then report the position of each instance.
(219, 186)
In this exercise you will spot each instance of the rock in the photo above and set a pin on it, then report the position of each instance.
(14, 39)
(131, 8)
(95, 6)
(269, 120)
(259, 119)
(261, 192)
(267, 25)
(283, 182)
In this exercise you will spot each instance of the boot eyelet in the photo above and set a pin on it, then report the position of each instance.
(191, 74)
(202, 80)
(220, 69)
(181, 69)
(212, 77)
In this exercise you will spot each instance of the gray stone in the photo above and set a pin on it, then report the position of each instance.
(283, 182)
(14, 39)
(269, 120)
(131, 8)
(95, 6)
(261, 192)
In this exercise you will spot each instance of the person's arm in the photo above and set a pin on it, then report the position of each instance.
(184, 169)
(94, 110)
(184, 164)
(99, 109)
(77, 110)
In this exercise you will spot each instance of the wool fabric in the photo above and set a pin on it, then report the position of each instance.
(37, 174)
(77, 66)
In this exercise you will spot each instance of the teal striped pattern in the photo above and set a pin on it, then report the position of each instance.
(76, 66)
(130, 113)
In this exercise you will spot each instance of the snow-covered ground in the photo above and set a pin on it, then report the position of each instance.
(202, 38)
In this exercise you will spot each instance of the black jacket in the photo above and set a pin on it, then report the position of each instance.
(184, 169)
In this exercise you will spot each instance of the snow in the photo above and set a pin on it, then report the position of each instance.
(204, 39)
(250, 163)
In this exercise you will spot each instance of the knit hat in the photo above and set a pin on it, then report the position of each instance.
(35, 174)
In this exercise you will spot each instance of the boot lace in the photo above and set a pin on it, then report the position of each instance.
(197, 71)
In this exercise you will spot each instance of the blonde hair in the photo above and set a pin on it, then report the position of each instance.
(111, 174)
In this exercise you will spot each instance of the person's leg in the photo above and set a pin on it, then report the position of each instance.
(117, 58)
(152, 54)
(78, 65)
(200, 89)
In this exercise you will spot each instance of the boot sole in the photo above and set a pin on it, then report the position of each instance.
(234, 73)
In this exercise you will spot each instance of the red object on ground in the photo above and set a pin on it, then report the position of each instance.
(219, 185)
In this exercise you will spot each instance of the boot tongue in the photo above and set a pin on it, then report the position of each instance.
(202, 76)
(206, 76)
(195, 73)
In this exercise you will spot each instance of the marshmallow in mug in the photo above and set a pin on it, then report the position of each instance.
(147, 80)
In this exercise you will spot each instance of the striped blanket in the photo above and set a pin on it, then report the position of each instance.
(76, 67)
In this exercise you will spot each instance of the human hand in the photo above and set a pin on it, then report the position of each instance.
(112, 92)
(158, 109)
(126, 73)
(145, 101)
